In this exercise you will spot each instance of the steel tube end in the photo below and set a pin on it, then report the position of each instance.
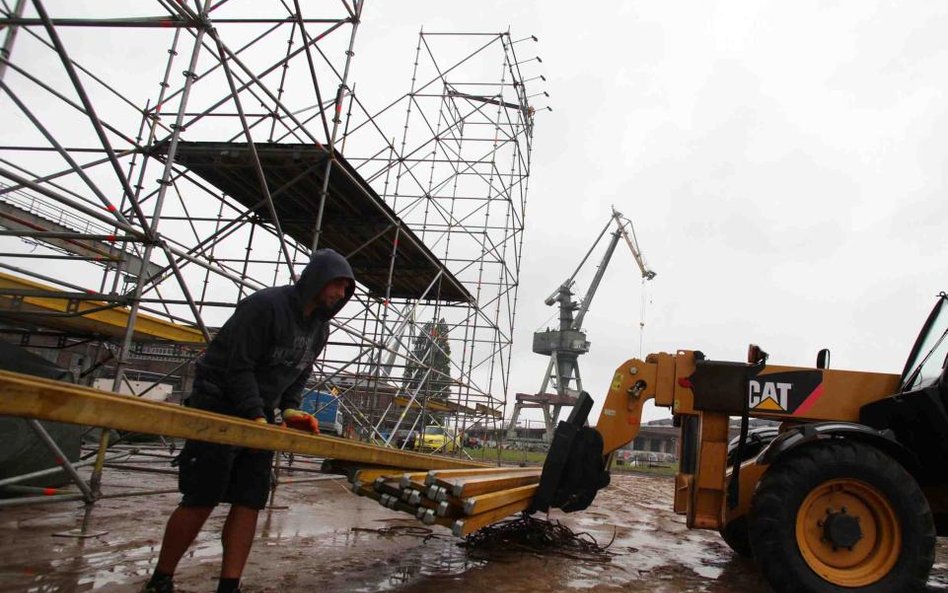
(442, 508)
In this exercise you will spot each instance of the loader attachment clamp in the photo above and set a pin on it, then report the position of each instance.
(575, 469)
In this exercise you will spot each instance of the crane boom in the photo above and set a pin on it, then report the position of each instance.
(562, 293)
(570, 281)
(632, 243)
(591, 292)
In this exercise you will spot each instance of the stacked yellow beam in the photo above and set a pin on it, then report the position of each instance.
(462, 495)
(44, 399)
(464, 500)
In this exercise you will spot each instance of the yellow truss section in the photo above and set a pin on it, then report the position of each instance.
(88, 315)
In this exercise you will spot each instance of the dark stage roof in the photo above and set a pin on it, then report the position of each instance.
(356, 221)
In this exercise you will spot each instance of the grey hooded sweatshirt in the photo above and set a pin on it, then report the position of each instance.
(262, 357)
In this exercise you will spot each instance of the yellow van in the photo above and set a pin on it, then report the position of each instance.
(437, 439)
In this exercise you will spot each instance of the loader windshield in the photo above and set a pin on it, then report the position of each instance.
(928, 356)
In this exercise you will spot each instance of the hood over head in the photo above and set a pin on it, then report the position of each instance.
(324, 265)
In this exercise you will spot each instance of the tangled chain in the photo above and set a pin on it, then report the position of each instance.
(538, 536)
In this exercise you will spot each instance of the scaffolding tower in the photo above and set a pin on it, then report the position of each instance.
(162, 160)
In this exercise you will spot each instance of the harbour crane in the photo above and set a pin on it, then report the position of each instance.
(565, 344)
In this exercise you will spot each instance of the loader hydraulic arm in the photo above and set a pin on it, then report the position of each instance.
(671, 380)
(576, 464)
(662, 377)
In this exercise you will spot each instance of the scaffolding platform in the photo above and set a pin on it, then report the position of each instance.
(43, 306)
(356, 221)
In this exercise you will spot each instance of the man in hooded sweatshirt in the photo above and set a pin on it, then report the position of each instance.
(258, 362)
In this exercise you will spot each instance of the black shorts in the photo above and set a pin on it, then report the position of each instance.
(209, 474)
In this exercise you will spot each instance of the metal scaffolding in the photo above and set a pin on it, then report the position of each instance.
(162, 160)
(457, 177)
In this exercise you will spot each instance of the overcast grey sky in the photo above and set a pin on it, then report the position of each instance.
(783, 163)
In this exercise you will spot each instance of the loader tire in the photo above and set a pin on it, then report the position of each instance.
(839, 515)
(736, 536)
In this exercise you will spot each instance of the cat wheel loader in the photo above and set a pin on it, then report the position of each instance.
(847, 495)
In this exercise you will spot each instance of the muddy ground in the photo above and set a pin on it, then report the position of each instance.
(326, 539)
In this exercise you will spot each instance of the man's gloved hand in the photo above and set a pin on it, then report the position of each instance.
(300, 420)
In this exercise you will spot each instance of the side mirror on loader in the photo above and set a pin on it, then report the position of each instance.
(823, 359)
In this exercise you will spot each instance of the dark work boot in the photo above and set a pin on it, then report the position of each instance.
(159, 584)
(228, 586)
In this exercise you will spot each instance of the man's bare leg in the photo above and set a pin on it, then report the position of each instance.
(183, 526)
(237, 538)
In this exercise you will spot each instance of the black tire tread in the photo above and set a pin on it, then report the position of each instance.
(781, 491)
(735, 534)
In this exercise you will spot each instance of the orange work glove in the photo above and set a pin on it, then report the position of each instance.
(260, 420)
(299, 420)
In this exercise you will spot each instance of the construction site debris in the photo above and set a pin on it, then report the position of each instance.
(537, 536)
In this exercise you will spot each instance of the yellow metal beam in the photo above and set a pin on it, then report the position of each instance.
(446, 406)
(442, 474)
(370, 474)
(492, 500)
(32, 397)
(110, 322)
(430, 405)
(468, 525)
(482, 409)
(468, 487)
